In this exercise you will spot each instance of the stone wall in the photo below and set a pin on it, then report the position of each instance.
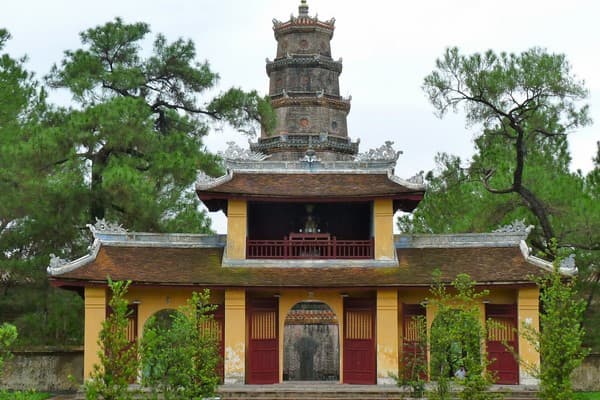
(587, 376)
(44, 369)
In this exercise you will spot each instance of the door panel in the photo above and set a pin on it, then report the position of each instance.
(263, 364)
(501, 333)
(359, 341)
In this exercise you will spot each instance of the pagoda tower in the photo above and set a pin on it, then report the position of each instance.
(305, 94)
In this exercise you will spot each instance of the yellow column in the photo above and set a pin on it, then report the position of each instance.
(383, 227)
(387, 335)
(237, 217)
(95, 313)
(528, 315)
(235, 336)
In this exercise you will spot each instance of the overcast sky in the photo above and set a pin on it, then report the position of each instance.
(387, 48)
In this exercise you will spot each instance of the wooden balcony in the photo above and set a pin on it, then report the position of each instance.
(309, 246)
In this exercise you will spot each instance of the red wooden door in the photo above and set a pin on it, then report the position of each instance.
(414, 347)
(502, 331)
(220, 324)
(359, 341)
(263, 363)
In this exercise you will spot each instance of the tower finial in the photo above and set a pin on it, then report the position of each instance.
(303, 9)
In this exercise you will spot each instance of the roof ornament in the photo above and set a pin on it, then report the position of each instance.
(310, 157)
(567, 265)
(56, 262)
(235, 152)
(517, 226)
(303, 9)
(385, 152)
(104, 226)
(417, 178)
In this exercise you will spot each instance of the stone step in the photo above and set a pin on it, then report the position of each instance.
(320, 392)
(337, 392)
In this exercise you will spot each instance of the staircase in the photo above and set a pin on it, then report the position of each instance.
(329, 391)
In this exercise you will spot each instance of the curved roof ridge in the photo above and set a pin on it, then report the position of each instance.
(205, 182)
(405, 182)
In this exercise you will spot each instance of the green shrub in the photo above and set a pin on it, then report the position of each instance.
(8, 335)
(23, 395)
(455, 338)
(180, 359)
(559, 341)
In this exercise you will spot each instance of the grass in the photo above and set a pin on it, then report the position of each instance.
(587, 396)
(23, 395)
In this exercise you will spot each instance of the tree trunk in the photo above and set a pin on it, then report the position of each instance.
(97, 201)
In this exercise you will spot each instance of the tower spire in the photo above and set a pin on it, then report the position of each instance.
(303, 9)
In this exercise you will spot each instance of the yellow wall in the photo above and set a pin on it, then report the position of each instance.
(95, 313)
(237, 219)
(149, 300)
(289, 298)
(152, 300)
(528, 314)
(235, 336)
(387, 335)
(383, 228)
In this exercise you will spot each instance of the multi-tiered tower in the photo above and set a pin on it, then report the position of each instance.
(305, 94)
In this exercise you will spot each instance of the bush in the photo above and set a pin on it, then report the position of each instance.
(455, 338)
(559, 341)
(180, 361)
(8, 335)
(26, 395)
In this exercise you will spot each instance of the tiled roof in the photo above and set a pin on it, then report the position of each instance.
(302, 185)
(202, 266)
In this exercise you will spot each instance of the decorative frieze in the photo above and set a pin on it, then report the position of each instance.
(304, 61)
(288, 101)
(313, 141)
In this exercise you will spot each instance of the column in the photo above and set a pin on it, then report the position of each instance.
(383, 227)
(95, 313)
(235, 336)
(528, 315)
(387, 335)
(237, 216)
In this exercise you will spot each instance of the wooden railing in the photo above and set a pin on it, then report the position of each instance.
(309, 246)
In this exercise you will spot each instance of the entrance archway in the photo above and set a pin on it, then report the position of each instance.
(311, 350)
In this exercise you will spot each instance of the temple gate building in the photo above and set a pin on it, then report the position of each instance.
(310, 280)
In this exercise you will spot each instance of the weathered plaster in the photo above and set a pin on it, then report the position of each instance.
(387, 335)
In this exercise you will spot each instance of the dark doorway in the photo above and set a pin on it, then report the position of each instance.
(311, 343)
